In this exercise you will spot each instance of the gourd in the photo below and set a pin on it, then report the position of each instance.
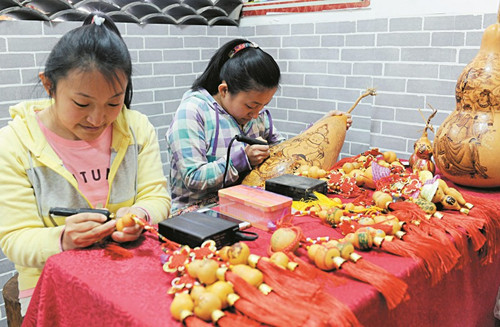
(318, 146)
(284, 239)
(125, 221)
(467, 144)
(421, 159)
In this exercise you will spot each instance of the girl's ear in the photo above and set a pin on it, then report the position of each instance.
(223, 90)
(47, 84)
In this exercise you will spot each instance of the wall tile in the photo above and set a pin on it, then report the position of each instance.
(356, 40)
(370, 54)
(370, 69)
(448, 39)
(421, 86)
(451, 72)
(10, 76)
(473, 39)
(372, 25)
(405, 24)
(325, 80)
(332, 40)
(300, 28)
(462, 22)
(278, 29)
(403, 39)
(428, 54)
(411, 70)
(301, 41)
(465, 56)
(319, 54)
(335, 27)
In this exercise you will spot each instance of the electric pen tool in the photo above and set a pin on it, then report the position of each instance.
(65, 212)
(249, 140)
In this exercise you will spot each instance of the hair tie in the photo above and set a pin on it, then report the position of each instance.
(242, 46)
(98, 20)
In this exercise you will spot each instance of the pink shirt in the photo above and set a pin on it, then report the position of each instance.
(88, 161)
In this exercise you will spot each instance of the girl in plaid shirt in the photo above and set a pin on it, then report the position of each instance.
(228, 99)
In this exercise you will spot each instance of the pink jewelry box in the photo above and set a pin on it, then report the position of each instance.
(259, 207)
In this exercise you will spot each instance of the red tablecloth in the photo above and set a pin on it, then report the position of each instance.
(87, 288)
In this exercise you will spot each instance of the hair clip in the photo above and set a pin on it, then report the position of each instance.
(98, 20)
(242, 46)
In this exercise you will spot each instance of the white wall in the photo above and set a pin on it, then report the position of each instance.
(381, 9)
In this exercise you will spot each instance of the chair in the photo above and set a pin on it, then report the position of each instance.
(11, 298)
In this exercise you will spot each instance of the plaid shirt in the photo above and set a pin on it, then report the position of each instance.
(198, 140)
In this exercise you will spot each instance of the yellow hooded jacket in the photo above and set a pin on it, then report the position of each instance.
(33, 179)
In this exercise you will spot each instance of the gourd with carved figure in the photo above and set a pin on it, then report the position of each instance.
(421, 159)
(318, 146)
(467, 144)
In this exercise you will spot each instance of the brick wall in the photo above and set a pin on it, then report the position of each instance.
(411, 62)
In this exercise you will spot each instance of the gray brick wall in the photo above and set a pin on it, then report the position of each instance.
(411, 61)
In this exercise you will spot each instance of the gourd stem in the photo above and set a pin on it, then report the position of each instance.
(367, 93)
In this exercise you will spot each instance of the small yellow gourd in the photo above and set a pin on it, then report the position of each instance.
(182, 306)
(284, 238)
(253, 276)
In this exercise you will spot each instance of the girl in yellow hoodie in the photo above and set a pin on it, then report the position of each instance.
(82, 148)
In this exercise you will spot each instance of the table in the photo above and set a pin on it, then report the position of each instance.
(87, 288)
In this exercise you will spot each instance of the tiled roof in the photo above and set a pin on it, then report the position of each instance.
(181, 12)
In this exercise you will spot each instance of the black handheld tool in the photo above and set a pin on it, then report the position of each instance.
(65, 212)
(249, 140)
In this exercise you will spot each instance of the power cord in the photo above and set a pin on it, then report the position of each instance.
(240, 138)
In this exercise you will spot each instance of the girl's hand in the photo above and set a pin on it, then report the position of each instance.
(129, 233)
(339, 113)
(85, 229)
(257, 153)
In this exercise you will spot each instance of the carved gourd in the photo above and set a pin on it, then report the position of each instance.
(421, 159)
(467, 144)
(318, 146)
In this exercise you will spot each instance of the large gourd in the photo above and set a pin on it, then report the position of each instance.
(318, 146)
(467, 144)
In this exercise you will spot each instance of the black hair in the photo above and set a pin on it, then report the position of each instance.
(248, 69)
(91, 46)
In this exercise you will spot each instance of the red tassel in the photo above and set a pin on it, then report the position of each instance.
(407, 250)
(433, 246)
(471, 225)
(434, 261)
(314, 316)
(488, 210)
(286, 282)
(256, 312)
(460, 240)
(116, 252)
(236, 320)
(264, 308)
(406, 211)
(392, 288)
(292, 312)
(344, 316)
(193, 321)
(322, 300)
(443, 248)
(289, 285)
(309, 271)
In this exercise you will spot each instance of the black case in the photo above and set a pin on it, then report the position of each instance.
(194, 228)
(296, 187)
